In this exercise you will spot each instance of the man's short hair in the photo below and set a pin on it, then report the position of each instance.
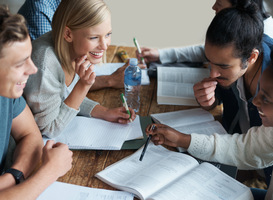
(12, 28)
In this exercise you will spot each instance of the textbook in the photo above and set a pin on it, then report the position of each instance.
(189, 121)
(92, 133)
(175, 84)
(164, 174)
(59, 190)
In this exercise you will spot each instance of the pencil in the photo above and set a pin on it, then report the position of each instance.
(125, 105)
(146, 144)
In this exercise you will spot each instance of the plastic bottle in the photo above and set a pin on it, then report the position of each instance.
(132, 84)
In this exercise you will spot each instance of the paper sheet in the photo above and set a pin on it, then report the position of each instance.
(59, 190)
(92, 133)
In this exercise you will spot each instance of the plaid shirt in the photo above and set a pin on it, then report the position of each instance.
(38, 14)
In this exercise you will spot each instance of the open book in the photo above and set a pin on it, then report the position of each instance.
(165, 175)
(175, 84)
(189, 121)
(92, 133)
(59, 190)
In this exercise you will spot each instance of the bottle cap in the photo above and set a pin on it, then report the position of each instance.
(133, 61)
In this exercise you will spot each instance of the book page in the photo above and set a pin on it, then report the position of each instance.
(59, 190)
(204, 182)
(136, 131)
(92, 133)
(206, 128)
(183, 117)
(175, 84)
(158, 167)
(109, 68)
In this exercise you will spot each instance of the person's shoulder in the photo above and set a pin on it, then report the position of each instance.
(44, 41)
(15, 106)
(43, 51)
(267, 40)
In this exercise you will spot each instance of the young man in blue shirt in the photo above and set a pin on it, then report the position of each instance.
(17, 120)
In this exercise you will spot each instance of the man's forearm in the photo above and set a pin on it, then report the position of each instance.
(27, 154)
(31, 188)
(101, 82)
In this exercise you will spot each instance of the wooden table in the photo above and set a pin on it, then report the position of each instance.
(87, 163)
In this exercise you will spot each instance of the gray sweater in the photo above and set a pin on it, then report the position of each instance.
(46, 90)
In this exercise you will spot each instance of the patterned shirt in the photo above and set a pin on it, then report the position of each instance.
(38, 14)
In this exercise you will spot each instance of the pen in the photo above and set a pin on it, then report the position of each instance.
(146, 144)
(125, 105)
(139, 51)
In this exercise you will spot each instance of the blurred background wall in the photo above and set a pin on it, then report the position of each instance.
(155, 23)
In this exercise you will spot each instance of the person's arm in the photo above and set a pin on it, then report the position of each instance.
(56, 161)
(245, 151)
(45, 90)
(163, 134)
(194, 53)
(115, 80)
(28, 146)
(118, 115)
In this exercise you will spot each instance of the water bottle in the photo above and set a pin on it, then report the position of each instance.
(132, 84)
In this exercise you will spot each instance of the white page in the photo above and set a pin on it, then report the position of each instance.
(92, 133)
(183, 117)
(175, 84)
(136, 131)
(189, 121)
(182, 74)
(205, 128)
(158, 167)
(109, 68)
(59, 190)
(204, 182)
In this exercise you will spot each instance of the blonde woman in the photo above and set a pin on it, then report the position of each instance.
(65, 57)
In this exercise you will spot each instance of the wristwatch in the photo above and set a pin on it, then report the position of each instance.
(18, 175)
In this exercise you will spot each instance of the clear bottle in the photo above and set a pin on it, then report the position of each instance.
(132, 84)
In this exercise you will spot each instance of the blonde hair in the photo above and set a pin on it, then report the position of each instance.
(75, 14)
(12, 28)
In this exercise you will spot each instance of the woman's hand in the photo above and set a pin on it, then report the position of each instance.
(118, 115)
(163, 134)
(85, 69)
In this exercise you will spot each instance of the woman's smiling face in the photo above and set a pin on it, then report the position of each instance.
(264, 99)
(92, 41)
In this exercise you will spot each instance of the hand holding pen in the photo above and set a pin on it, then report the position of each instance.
(165, 135)
(139, 51)
(146, 144)
(125, 105)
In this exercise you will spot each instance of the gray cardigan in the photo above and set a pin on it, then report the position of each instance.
(45, 90)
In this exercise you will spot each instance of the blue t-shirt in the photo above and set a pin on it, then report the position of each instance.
(9, 109)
